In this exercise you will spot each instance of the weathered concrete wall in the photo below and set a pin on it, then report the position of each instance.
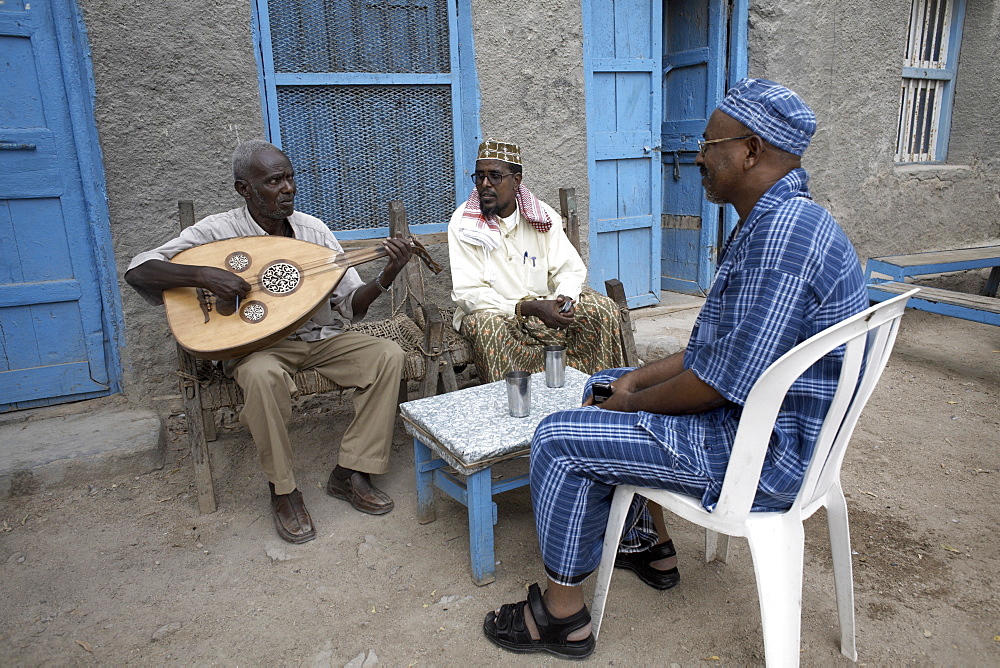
(176, 90)
(844, 59)
(975, 134)
(530, 66)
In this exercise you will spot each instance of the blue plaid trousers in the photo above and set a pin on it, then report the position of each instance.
(578, 457)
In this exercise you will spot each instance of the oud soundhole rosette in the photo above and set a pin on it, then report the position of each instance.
(253, 311)
(238, 261)
(280, 278)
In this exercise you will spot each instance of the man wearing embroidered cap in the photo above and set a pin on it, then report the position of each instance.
(787, 272)
(518, 283)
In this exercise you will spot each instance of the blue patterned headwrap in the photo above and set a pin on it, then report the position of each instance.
(772, 111)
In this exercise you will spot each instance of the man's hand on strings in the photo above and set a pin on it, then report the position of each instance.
(225, 285)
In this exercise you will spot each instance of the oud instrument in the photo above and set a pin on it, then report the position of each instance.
(290, 280)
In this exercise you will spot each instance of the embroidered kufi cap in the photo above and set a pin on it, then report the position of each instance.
(772, 111)
(493, 149)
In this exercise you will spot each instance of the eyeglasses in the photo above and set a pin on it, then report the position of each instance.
(496, 178)
(702, 143)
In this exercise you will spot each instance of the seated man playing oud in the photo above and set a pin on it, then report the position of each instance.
(372, 366)
(517, 280)
(787, 273)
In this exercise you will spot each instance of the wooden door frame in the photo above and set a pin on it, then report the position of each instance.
(591, 67)
(736, 69)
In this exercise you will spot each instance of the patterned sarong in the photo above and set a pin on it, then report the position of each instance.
(503, 343)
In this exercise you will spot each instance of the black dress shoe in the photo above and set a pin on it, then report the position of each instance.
(360, 492)
(291, 518)
(638, 563)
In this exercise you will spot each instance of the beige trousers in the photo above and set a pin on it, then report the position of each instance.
(370, 365)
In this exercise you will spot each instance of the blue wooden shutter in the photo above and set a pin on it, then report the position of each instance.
(694, 64)
(622, 70)
(928, 90)
(365, 96)
(52, 337)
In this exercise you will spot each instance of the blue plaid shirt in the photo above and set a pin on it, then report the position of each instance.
(789, 273)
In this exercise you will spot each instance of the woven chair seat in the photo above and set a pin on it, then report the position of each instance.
(219, 391)
(459, 347)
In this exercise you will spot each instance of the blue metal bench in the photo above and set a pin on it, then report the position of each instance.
(886, 277)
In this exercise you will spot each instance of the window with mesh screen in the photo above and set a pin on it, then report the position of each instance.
(929, 68)
(362, 94)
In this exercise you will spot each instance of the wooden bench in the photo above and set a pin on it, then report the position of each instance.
(886, 277)
(427, 346)
(433, 349)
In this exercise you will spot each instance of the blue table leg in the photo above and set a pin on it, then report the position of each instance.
(422, 457)
(482, 517)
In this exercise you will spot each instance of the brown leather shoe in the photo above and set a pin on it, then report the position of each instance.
(363, 495)
(291, 518)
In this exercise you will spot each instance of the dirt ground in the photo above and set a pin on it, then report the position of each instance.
(124, 570)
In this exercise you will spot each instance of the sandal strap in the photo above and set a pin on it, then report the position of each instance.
(662, 551)
(511, 622)
(553, 629)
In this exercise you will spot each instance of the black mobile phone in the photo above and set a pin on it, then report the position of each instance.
(601, 392)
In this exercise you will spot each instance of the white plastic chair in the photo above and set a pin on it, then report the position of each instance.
(777, 539)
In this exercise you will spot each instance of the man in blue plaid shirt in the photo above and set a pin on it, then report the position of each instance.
(787, 273)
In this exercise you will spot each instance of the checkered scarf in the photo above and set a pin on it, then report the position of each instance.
(475, 228)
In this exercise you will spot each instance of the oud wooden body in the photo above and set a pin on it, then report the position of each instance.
(200, 323)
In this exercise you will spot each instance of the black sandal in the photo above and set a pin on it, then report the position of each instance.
(638, 563)
(508, 629)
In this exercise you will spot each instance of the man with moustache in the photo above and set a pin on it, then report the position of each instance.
(787, 273)
(264, 177)
(518, 283)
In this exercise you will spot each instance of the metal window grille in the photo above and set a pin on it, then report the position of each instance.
(356, 148)
(361, 112)
(403, 36)
(927, 80)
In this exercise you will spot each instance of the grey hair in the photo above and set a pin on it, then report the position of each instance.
(244, 153)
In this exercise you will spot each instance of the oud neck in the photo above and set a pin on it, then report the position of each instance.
(360, 256)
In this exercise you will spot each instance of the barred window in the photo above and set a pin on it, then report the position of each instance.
(928, 82)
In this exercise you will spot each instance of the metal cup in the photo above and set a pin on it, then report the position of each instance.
(555, 365)
(519, 393)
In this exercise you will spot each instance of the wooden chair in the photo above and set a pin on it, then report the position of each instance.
(205, 388)
(455, 351)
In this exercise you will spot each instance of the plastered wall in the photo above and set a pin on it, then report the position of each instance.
(177, 88)
(845, 58)
(530, 64)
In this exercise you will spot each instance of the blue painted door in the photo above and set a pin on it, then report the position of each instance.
(52, 332)
(696, 41)
(371, 101)
(622, 54)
